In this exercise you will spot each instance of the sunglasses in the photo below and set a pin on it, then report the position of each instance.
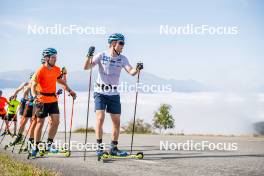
(53, 56)
(121, 42)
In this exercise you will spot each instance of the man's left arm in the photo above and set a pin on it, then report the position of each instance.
(133, 71)
(65, 86)
(130, 70)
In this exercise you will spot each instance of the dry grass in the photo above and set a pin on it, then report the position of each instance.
(10, 167)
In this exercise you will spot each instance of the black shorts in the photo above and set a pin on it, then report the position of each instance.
(27, 108)
(45, 109)
(11, 117)
(2, 116)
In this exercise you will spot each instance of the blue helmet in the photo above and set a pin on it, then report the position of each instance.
(49, 52)
(115, 37)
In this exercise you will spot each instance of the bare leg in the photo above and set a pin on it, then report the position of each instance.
(100, 116)
(38, 129)
(7, 125)
(23, 123)
(116, 126)
(33, 123)
(54, 122)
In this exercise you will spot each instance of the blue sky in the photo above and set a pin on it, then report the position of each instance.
(230, 62)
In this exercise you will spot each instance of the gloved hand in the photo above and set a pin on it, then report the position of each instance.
(11, 98)
(91, 51)
(73, 94)
(59, 92)
(31, 100)
(139, 66)
(23, 100)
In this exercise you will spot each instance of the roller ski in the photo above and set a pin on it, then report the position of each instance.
(105, 156)
(51, 150)
(115, 153)
(25, 147)
(5, 133)
(18, 141)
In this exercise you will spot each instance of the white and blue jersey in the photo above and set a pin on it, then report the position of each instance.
(109, 69)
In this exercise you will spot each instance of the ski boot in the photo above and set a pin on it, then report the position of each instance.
(114, 151)
(99, 152)
(51, 148)
(17, 140)
(4, 133)
(33, 153)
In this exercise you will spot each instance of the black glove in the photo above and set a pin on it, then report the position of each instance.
(139, 66)
(63, 71)
(91, 51)
(11, 98)
(59, 92)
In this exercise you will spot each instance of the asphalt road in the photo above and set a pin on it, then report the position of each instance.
(246, 158)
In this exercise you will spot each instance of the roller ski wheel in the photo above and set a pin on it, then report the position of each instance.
(25, 149)
(42, 153)
(29, 155)
(140, 155)
(9, 145)
(104, 155)
(63, 150)
(6, 146)
(67, 154)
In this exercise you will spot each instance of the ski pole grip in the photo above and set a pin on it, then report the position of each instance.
(64, 70)
(91, 51)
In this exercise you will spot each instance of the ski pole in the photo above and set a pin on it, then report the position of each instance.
(2, 126)
(64, 73)
(8, 125)
(135, 111)
(15, 118)
(71, 124)
(2, 139)
(23, 142)
(90, 56)
(24, 114)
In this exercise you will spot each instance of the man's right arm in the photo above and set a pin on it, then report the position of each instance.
(88, 63)
(33, 88)
(26, 92)
(21, 87)
(91, 61)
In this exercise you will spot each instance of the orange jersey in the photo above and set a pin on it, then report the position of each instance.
(46, 83)
(3, 103)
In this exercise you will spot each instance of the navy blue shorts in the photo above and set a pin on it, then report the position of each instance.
(24, 107)
(110, 103)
